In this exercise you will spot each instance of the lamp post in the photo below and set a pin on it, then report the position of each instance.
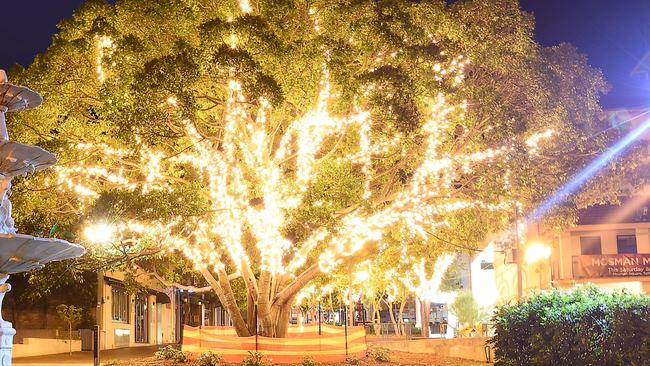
(99, 233)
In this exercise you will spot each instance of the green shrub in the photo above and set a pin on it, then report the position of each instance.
(353, 361)
(170, 353)
(379, 354)
(254, 359)
(308, 361)
(584, 326)
(208, 358)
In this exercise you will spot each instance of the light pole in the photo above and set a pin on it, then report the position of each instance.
(99, 233)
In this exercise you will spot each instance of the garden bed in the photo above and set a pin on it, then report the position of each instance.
(397, 358)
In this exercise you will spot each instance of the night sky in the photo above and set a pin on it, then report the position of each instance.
(614, 34)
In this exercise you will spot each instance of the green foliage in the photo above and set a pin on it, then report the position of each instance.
(170, 353)
(583, 326)
(380, 354)
(466, 309)
(353, 361)
(208, 358)
(72, 315)
(513, 88)
(69, 313)
(308, 361)
(254, 358)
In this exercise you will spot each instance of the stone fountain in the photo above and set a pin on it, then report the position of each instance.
(18, 252)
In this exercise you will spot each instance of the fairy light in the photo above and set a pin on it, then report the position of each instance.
(253, 179)
(245, 6)
(533, 141)
(105, 48)
(428, 287)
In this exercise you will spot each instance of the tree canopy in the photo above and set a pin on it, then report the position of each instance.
(264, 143)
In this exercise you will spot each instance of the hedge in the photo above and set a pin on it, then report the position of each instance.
(582, 326)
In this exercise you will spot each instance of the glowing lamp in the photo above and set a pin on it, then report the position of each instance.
(99, 233)
(536, 252)
(362, 276)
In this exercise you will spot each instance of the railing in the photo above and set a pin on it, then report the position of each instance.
(409, 330)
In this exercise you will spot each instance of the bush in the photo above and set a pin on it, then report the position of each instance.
(254, 359)
(208, 358)
(353, 361)
(584, 326)
(308, 361)
(170, 353)
(379, 354)
(467, 309)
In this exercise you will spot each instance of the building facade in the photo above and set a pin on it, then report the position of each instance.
(143, 319)
(610, 247)
(152, 317)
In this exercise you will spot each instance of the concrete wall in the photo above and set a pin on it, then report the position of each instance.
(44, 346)
(466, 348)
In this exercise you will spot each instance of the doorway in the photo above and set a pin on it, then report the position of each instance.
(159, 323)
(141, 319)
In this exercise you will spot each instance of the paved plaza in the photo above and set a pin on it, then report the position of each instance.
(86, 358)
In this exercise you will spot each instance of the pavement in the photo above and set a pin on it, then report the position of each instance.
(85, 358)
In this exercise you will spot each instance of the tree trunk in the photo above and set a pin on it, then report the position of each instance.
(282, 322)
(224, 293)
(264, 304)
(250, 314)
(272, 308)
(401, 317)
(425, 306)
(391, 314)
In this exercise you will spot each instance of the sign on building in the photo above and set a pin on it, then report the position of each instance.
(612, 265)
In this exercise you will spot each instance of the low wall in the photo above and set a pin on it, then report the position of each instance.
(44, 346)
(332, 345)
(33, 333)
(472, 348)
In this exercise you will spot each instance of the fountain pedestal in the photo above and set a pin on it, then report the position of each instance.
(21, 253)
(7, 331)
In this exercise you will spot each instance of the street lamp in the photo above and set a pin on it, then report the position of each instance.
(100, 233)
(537, 253)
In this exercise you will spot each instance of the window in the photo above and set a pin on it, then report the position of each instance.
(626, 244)
(487, 265)
(590, 245)
(120, 310)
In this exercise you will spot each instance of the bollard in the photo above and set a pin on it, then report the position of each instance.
(96, 345)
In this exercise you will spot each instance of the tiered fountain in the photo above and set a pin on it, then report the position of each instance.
(18, 252)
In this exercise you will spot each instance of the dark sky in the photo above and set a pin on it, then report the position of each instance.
(615, 34)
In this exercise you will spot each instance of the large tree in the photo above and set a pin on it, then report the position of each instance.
(268, 142)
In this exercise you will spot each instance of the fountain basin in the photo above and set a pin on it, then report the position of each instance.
(22, 253)
(16, 98)
(20, 159)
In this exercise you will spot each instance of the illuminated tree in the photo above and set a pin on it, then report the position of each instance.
(266, 143)
(427, 288)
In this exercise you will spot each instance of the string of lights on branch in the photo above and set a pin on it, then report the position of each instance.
(253, 183)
